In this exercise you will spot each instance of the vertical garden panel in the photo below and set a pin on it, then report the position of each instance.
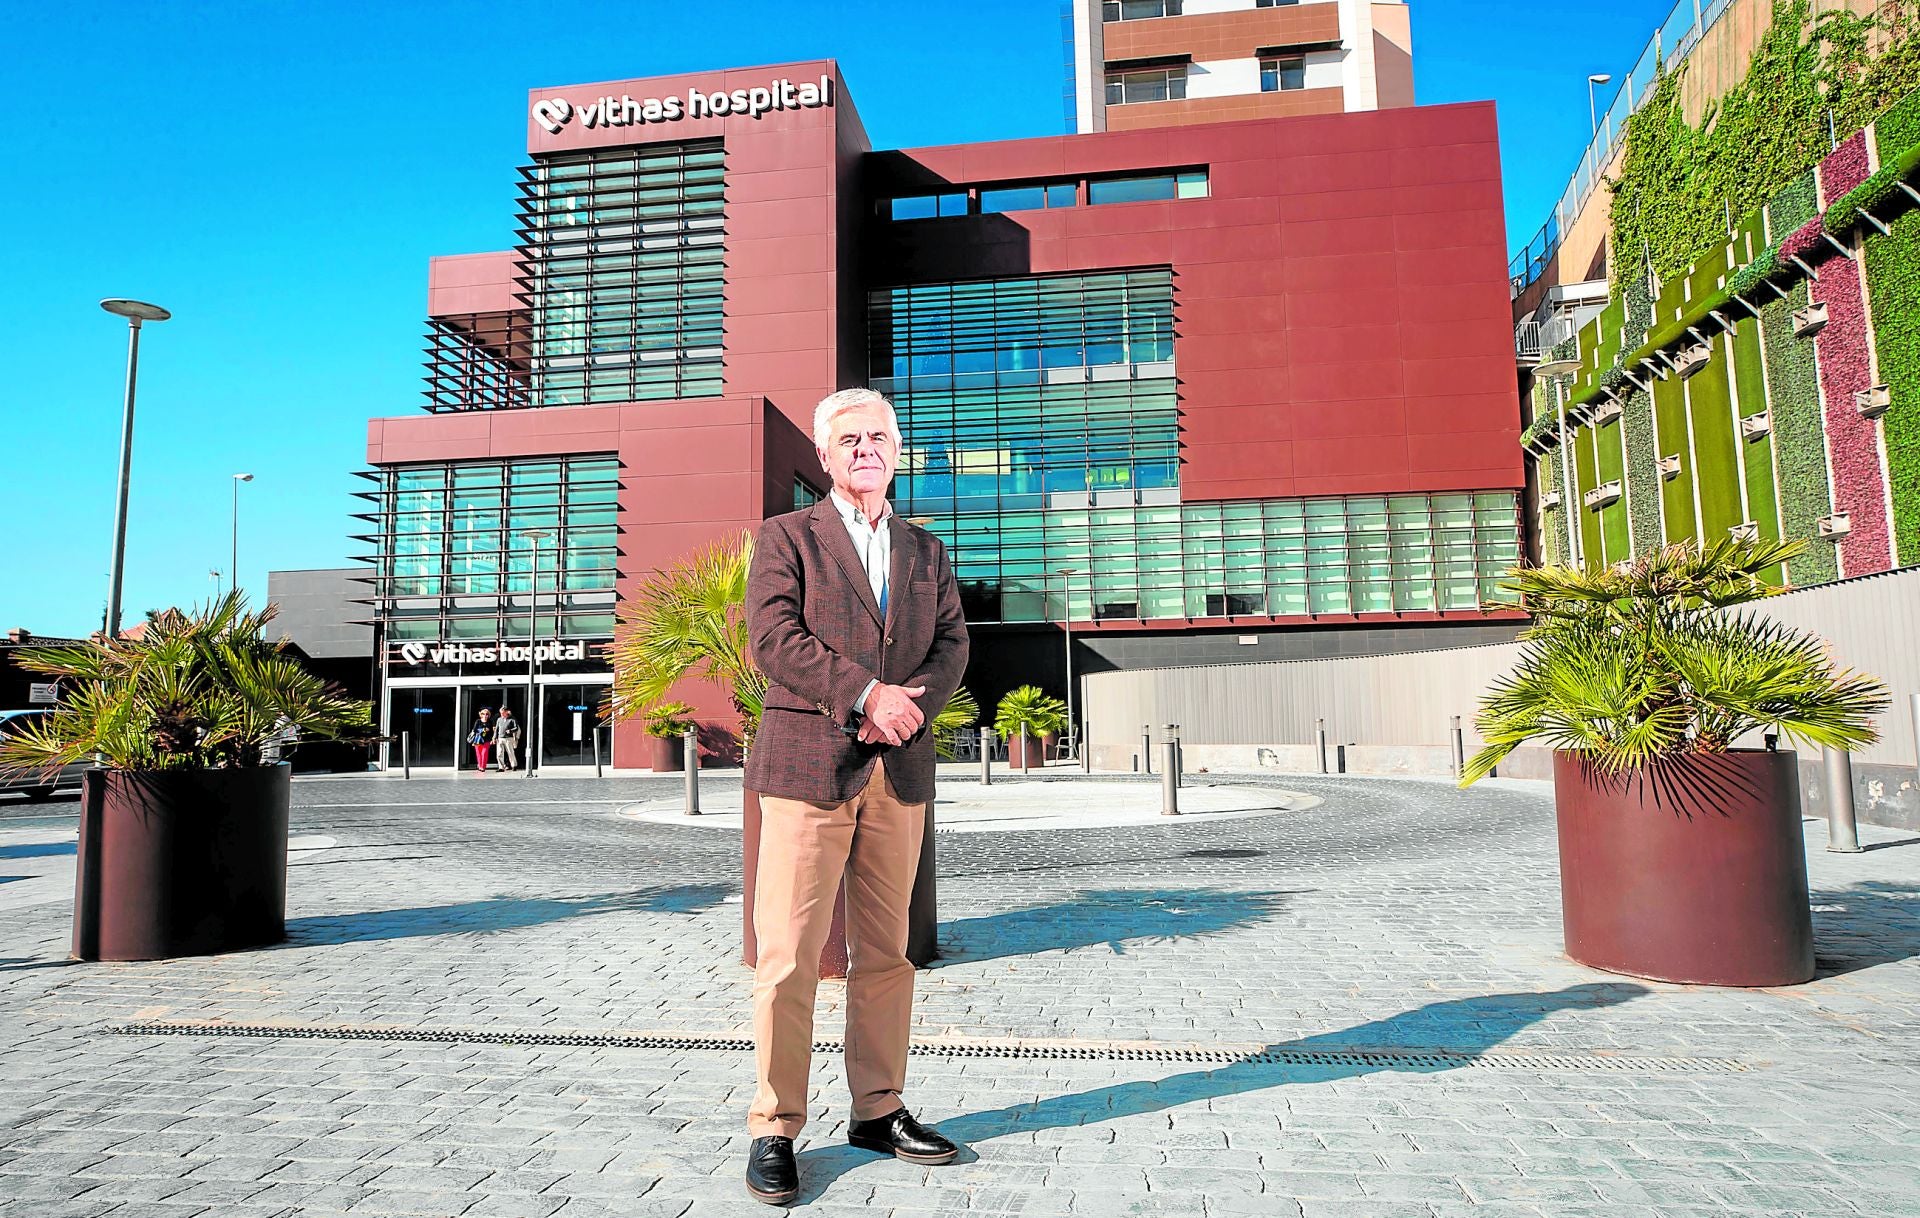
(1643, 472)
(1750, 392)
(1670, 418)
(1611, 468)
(1583, 472)
(1799, 437)
(1893, 285)
(1853, 442)
(1716, 472)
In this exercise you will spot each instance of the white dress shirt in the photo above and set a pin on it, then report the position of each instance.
(873, 542)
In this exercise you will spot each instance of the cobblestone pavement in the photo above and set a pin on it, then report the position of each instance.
(1401, 917)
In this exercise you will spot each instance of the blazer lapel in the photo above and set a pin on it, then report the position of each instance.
(832, 532)
(906, 553)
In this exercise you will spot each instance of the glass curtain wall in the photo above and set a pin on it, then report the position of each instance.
(1041, 433)
(623, 254)
(451, 563)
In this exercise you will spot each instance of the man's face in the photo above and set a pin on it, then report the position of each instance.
(860, 452)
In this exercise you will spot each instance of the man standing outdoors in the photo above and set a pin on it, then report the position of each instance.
(855, 618)
(507, 734)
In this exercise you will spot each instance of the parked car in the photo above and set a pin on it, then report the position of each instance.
(34, 785)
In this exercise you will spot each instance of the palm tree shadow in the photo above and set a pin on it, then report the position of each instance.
(501, 914)
(1865, 924)
(1463, 1026)
(1115, 917)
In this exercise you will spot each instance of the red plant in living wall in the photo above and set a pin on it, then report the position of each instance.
(1853, 442)
(1845, 167)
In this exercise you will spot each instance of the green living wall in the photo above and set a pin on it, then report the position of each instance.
(1716, 463)
(1643, 472)
(1799, 437)
(1893, 294)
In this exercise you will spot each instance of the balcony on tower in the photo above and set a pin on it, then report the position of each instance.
(479, 341)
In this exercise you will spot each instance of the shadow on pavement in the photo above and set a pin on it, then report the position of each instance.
(505, 913)
(36, 850)
(1462, 1025)
(1869, 923)
(1115, 917)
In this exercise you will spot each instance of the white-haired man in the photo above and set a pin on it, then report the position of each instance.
(854, 616)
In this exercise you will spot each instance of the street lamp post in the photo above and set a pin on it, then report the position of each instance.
(532, 744)
(1593, 122)
(233, 564)
(1066, 575)
(135, 312)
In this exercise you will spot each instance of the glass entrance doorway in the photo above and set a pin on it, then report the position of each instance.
(431, 721)
(493, 698)
(570, 713)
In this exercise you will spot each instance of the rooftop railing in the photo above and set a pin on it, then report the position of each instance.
(1672, 42)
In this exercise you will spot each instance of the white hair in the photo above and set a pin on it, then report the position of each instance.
(834, 405)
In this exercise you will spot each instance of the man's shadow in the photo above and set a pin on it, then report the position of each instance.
(1115, 917)
(1461, 1026)
(507, 913)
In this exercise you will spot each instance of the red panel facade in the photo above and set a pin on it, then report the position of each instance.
(1342, 324)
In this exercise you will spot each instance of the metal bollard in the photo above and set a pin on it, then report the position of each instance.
(1170, 774)
(598, 772)
(1146, 746)
(692, 739)
(1459, 750)
(1320, 738)
(1914, 703)
(1023, 748)
(1179, 752)
(986, 756)
(406, 754)
(1843, 835)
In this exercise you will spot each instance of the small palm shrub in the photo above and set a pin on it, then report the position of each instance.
(961, 712)
(205, 690)
(689, 620)
(1029, 706)
(1644, 661)
(667, 719)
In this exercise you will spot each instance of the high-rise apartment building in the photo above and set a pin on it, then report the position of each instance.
(1162, 63)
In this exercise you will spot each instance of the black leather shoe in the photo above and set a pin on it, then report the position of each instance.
(899, 1135)
(772, 1175)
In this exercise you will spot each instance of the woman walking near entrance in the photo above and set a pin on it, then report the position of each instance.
(481, 738)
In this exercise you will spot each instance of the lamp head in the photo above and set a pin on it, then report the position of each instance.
(243, 477)
(1600, 78)
(138, 310)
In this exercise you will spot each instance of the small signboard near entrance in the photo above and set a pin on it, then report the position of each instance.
(39, 694)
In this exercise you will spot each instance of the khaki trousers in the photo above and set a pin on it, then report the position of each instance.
(873, 840)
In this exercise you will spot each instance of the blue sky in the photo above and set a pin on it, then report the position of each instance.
(279, 174)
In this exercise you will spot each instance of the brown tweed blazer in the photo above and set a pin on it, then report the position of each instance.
(815, 630)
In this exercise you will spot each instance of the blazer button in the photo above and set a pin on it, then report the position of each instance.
(889, 640)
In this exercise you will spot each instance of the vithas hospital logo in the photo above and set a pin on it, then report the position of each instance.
(555, 113)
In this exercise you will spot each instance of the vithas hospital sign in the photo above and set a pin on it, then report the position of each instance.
(554, 113)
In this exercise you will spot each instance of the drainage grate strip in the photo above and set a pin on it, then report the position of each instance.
(1368, 1058)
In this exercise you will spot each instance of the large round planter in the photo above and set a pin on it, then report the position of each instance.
(923, 917)
(668, 754)
(180, 863)
(1692, 870)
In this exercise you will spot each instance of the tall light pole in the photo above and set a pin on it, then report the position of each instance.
(135, 312)
(1593, 122)
(233, 566)
(1066, 575)
(531, 741)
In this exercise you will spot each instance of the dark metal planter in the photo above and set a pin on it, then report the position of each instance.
(923, 916)
(181, 863)
(1693, 870)
(1038, 748)
(668, 754)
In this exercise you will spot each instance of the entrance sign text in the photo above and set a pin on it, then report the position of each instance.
(554, 113)
(487, 653)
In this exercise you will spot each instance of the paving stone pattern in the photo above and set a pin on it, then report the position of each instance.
(1395, 914)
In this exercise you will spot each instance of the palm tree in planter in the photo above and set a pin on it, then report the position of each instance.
(183, 824)
(1681, 855)
(666, 724)
(1043, 717)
